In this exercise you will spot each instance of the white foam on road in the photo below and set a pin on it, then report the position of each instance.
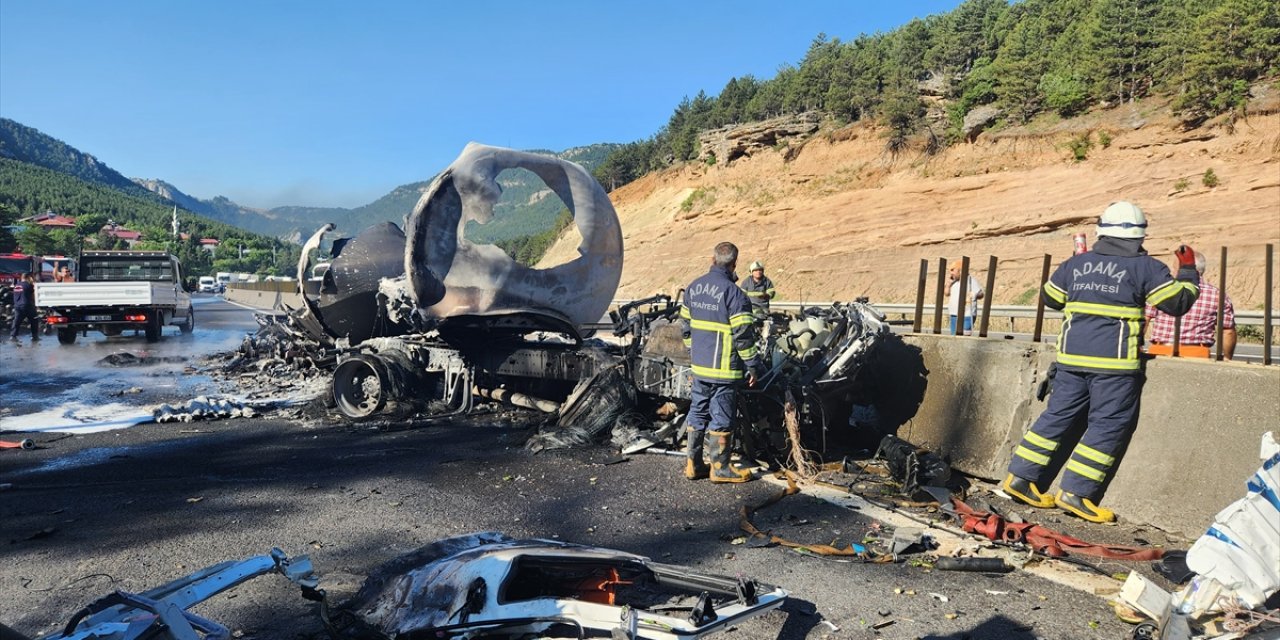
(77, 417)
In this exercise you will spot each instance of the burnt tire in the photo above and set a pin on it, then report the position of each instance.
(153, 328)
(190, 325)
(67, 336)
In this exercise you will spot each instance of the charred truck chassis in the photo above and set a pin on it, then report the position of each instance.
(425, 320)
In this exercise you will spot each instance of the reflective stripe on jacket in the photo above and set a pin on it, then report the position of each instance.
(717, 326)
(1103, 298)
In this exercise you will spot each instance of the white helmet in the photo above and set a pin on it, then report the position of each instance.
(1123, 220)
(756, 265)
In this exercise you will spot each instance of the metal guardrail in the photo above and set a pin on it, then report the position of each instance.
(1248, 318)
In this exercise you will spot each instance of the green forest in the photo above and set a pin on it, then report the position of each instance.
(1024, 58)
(26, 189)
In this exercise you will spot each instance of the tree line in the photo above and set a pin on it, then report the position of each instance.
(26, 190)
(1024, 58)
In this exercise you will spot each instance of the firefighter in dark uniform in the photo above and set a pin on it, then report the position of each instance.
(759, 289)
(1102, 294)
(717, 326)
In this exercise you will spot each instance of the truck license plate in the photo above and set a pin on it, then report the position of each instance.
(97, 318)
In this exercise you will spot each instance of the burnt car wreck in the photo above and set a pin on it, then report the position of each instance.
(483, 585)
(426, 321)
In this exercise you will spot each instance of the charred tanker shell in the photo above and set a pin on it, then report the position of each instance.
(450, 276)
(349, 288)
(344, 303)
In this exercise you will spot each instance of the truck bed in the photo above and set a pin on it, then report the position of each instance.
(105, 294)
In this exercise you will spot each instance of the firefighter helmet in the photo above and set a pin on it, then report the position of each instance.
(1123, 220)
(757, 265)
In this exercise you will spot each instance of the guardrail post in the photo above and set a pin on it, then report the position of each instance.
(962, 297)
(1222, 304)
(924, 280)
(942, 285)
(986, 299)
(1044, 277)
(1266, 306)
(1177, 336)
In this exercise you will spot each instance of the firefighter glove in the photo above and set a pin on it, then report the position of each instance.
(1186, 256)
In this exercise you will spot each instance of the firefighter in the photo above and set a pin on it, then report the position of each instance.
(717, 326)
(1102, 294)
(760, 290)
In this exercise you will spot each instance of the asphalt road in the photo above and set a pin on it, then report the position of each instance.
(132, 508)
(42, 376)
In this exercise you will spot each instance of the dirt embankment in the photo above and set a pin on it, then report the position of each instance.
(842, 218)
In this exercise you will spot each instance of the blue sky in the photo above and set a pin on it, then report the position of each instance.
(336, 103)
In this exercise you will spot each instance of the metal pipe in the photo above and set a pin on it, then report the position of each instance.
(962, 297)
(942, 285)
(1177, 335)
(1222, 304)
(1044, 277)
(986, 299)
(920, 285)
(506, 396)
(1267, 309)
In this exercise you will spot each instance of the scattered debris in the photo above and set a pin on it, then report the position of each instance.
(914, 467)
(979, 565)
(204, 408)
(485, 584)
(1236, 565)
(161, 613)
(126, 359)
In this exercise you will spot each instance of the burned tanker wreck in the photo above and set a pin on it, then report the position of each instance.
(426, 321)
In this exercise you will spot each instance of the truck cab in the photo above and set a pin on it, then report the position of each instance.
(116, 291)
(208, 284)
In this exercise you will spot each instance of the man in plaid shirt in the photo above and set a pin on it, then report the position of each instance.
(1198, 326)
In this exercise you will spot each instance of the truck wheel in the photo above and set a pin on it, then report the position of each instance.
(66, 336)
(360, 386)
(190, 325)
(153, 328)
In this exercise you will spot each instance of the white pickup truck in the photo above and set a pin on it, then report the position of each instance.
(119, 290)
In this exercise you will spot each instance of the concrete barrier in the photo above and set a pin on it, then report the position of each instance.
(268, 296)
(1196, 443)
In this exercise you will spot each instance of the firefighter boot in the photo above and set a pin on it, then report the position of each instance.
(1084, 508)
(694, 467)
(1024, 490)
(721, 470)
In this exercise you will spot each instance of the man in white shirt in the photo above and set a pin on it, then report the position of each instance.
(973, 292)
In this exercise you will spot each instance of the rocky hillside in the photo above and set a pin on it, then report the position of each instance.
(835, 216)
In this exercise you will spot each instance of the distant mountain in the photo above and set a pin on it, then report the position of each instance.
(25, 144)
(223, 209)
(527, 206)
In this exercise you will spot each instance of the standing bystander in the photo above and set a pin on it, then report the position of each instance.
(973, 293)
(1198, 328)
(24, 308)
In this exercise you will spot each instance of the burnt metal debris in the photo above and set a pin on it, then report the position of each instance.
(482, 585)
(425, 321)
